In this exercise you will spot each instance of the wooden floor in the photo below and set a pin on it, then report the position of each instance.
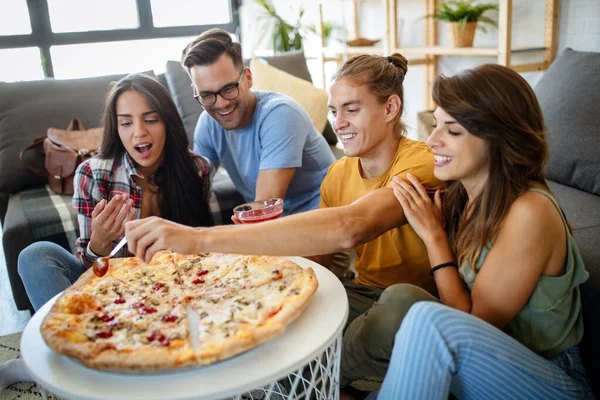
(11, 320)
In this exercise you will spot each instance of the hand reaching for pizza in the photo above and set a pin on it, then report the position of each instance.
(108, 220)
(147, 236)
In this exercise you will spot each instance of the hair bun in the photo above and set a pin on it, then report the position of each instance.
(400, 62)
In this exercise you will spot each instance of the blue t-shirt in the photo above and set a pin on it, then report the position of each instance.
(279, 135)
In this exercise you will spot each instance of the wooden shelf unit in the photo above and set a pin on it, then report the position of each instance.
(339, 55)
(428, 55)
(503, 52)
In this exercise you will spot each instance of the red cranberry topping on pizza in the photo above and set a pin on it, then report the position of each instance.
(146, 310)
(169, 318)
(104, 334)
(107, 318)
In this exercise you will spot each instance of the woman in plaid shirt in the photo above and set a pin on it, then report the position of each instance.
(144, 169)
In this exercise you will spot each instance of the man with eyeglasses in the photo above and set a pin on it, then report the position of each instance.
(265, 140)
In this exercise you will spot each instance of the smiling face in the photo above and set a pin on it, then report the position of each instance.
(362, 123)
(458, 155)
(141, 130)
(222, 75)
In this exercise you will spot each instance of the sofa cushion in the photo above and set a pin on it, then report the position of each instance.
(35, 214)
(312, 99)
(583, 213)
(179, 83)
(28, 109)
(569, 94)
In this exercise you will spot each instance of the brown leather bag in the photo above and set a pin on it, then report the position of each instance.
(64, 150)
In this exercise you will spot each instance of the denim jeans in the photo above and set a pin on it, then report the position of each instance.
(47, 269)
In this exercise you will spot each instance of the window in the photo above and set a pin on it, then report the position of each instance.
(83, 16)
(74, 38)
(22, 64)
(14, 18)
(95, 59)
(190, 12)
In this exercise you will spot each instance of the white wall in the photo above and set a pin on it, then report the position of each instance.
(579, 25)
(578, 28)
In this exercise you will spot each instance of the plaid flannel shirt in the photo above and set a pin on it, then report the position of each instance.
(97, 179)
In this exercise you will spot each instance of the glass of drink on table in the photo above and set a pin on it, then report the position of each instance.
(259, 211)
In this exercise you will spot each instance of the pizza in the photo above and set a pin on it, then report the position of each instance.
(176, 311)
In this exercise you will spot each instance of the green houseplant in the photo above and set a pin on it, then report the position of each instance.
(286, 36)
(464, 16)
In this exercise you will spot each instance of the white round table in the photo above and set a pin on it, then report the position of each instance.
(306, 359)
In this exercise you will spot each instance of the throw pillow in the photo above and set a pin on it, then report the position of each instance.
(314, 100)
(569, 94)
(292, 62)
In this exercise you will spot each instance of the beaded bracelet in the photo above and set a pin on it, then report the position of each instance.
(447, 264)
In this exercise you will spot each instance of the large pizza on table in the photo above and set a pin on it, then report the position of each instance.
(176, 311)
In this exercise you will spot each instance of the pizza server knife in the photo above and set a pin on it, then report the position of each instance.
(100, 266)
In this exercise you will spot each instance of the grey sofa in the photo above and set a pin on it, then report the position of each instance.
(569, 94)
(29, 211)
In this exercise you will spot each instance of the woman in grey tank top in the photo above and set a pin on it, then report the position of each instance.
(505, 264)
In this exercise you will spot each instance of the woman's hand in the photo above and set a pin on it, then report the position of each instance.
(147, 236)
(424, 215)
(108, 222)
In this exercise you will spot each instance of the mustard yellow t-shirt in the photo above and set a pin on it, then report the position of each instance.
(398, 255)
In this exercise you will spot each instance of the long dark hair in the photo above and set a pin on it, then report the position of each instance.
(497, 105)
(181, 196)
(384, 76)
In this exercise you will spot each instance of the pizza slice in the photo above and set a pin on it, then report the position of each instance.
(235, 321)
(278, 301)
(215, 335)
(255, 271)
(200, 271)
(156, 283)
(123, 340)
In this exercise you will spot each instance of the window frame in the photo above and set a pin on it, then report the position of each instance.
(43, 38)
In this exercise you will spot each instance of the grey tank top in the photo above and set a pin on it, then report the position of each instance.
(550, 322)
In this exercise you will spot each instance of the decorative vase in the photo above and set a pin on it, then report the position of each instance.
(462, 37)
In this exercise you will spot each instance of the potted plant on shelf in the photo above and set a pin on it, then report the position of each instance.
(464, 16)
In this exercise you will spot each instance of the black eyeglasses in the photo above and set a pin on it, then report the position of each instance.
(229, 92)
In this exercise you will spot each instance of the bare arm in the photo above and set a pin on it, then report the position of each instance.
(322, 231)
(273, 182)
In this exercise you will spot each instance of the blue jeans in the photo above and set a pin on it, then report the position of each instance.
(47, 269)
(439, 350)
